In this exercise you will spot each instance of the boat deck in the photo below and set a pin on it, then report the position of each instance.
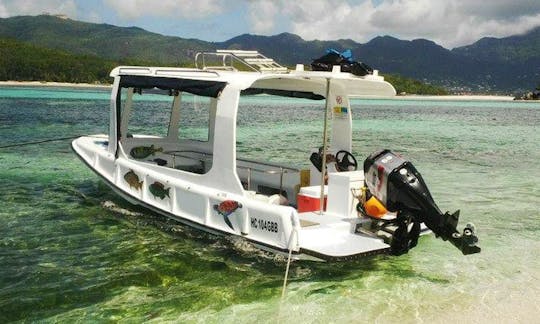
(318, 231)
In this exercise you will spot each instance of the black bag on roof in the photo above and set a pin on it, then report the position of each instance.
(333, 57)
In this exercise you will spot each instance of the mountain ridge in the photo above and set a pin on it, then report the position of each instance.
(488, 65)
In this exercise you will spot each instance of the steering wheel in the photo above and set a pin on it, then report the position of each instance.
(345, 160)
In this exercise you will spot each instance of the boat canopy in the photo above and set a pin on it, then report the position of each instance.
(295, 83)
(298, 83)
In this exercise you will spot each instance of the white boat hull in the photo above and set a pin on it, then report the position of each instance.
(275, 228)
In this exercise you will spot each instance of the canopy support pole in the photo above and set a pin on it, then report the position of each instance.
(174, 121)
(126, 113)
(325, 145)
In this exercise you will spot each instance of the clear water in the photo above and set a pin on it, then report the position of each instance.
(64, 257)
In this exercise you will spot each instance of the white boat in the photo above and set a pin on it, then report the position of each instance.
(278, 208)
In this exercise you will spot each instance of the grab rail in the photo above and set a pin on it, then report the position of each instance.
(251, 59)
(175, 154)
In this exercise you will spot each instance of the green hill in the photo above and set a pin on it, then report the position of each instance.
(518, 48)
(412, 86)
(102, 40)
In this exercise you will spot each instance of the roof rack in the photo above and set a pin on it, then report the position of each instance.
(231, 60)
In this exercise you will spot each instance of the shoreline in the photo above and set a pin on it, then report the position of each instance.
(457, 97)
(44, 84)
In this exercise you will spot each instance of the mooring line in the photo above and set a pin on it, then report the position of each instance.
(288, 265)
(42, 141)
(284, 288)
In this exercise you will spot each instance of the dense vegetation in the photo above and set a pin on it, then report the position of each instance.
(23, 62)
(518, 48)
(411, 86)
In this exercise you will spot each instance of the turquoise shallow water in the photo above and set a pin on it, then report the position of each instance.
(64, 257)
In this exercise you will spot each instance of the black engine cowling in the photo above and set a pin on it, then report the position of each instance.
(397, 184)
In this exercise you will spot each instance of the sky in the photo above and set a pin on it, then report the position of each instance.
(449, 23)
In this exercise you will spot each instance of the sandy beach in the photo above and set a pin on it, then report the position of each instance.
(457, 97)
(54, 84)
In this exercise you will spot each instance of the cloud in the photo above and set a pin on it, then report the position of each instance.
(262, 15)
(330, 20)
(10, 8)
(448, 22)
(3, 11)
(455, 22)
(500, 9)
(192, 9)
(93, 17)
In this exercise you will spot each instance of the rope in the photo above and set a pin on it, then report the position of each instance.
(39, 142)
(288, 265)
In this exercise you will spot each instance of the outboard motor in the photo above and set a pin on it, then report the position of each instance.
(398, 186)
